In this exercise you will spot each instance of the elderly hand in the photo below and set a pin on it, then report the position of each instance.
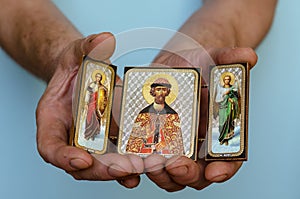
(178, 172)
(54, 120)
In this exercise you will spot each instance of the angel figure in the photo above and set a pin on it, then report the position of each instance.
(95, 104)
(227, 106)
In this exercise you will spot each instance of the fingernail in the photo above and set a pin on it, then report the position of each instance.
(78, 164)
(103, 36)
(115, 170)
(178, 171)
(219, 178)
(91, 38)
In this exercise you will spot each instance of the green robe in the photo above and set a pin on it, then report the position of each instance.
(228, 111)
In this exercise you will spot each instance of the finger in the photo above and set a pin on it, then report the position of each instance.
(130, 181)
(234, 55)
(185, 171)
(133, 180)
(99, 46)
(109, 167)
(137, 163)
(52, 128)
(221, 171)
(155, 170)
(52, 139)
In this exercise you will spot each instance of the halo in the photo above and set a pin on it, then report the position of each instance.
(147, 86)
(102, 74)
(232, 78)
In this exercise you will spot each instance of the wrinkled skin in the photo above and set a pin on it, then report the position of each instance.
(178, 172)
(54, 121)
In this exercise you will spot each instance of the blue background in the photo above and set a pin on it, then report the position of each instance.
(273, 167)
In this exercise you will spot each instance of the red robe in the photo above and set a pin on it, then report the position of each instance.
(96, 107)
(165, 125)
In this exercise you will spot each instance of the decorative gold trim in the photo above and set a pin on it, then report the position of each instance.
(243, 116)
(146, 88)
(195, 112)
(81, 88)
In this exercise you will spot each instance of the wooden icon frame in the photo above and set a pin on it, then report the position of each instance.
(135, 117)
(92, 118)
(227, 135)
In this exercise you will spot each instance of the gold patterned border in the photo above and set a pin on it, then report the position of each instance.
(196, 105)
(84, 74)
(243, 79)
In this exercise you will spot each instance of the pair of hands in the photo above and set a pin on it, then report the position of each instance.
(54, 120)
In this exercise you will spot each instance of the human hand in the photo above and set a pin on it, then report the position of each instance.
(178, 172)
(54, 120)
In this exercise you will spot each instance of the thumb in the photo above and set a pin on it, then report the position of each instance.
(99, 46)
(234, 55)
